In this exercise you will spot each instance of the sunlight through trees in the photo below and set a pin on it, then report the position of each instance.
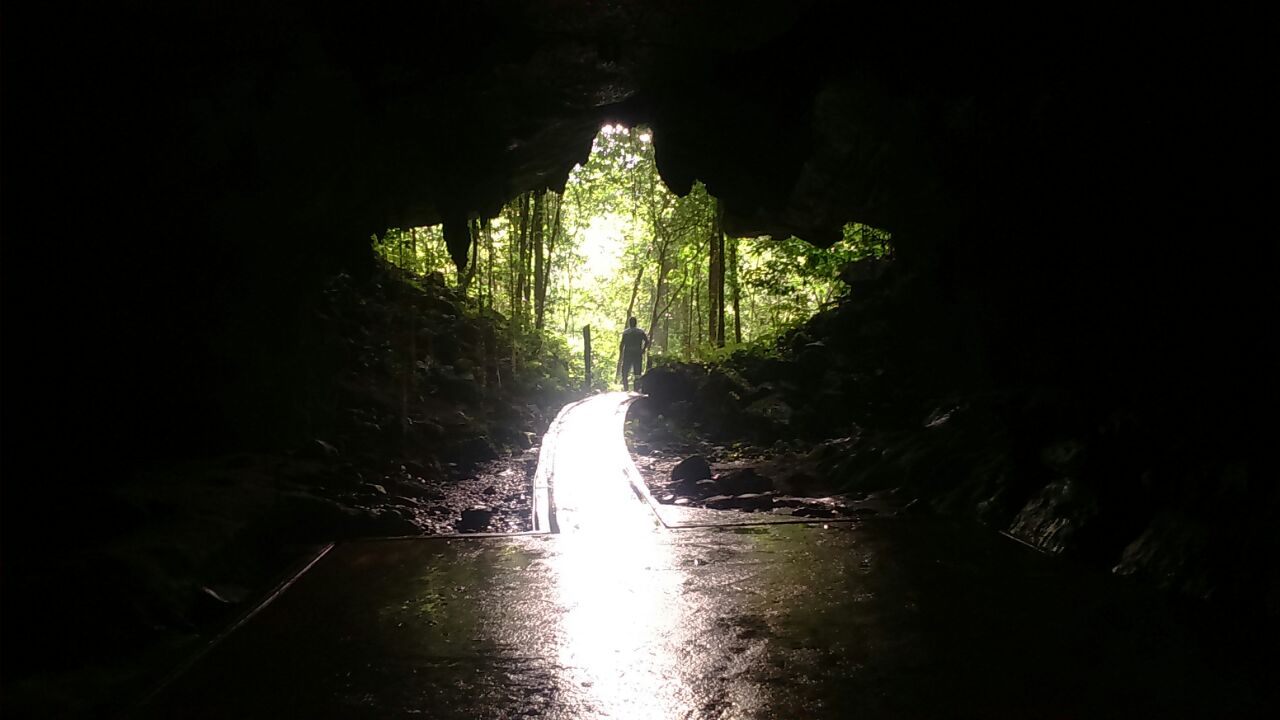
(618, 243)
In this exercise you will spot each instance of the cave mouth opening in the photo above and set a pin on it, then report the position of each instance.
(615, 242)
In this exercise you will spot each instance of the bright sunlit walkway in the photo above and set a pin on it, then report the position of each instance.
(623, 618)
(586, 458)
(617, 617)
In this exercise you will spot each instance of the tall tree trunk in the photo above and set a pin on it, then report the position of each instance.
(552, 236)
(697, 312)
(510, 280)
(413, 251)
(488, 246)
(568, 302)
(689, 320)
(539, 278)
(715, 279)
(663, 287)
(733, 288)
(713, 272)
(522, 276)
(586, 355)
(719, 241)
(635, 289)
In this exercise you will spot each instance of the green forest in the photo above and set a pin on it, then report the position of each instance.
(618, 243)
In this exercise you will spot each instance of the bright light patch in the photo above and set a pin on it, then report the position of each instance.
(602, 245)
(620, 634)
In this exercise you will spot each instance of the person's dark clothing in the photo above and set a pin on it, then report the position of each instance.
(629, 363)
(634, 343)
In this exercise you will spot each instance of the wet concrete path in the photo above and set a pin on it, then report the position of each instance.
(616, 616)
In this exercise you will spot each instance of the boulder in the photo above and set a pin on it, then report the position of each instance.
(475, 519)
(389, 522)
(697, 489)
(772, 408)
(691, 469)
(1176, 552)
(1055, 518)
(666, 385)
(720, 392)
(741, 481)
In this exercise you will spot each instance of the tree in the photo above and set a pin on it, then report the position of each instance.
(617, 243)
(539, 276)
(715, 280)
(734, 288)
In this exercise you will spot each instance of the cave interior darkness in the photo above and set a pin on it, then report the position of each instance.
(1079, 191)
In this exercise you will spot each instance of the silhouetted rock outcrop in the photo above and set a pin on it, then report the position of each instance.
(1084, 474)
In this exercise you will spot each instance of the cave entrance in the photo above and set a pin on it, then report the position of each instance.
(617, 243)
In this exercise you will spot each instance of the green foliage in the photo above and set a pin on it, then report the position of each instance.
(618, 242)
(421, 251)
(788, 280)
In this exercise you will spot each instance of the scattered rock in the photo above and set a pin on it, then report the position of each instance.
(705, 487)
(475, 519)
(692, 469)
(797, 482)
(418, 490)
(473, 450)
(389, 522)
(317, 449)
(428, 469)
(741, 481)
(1054, 519)
(748, 501)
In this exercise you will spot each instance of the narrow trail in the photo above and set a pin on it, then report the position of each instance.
(586, 466)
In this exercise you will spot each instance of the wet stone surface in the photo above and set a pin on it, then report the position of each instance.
(907, 618)
(618, 616)
(497, 490)
(744, 485)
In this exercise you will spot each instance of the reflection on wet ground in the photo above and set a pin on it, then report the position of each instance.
(614, 641)
(619, 617)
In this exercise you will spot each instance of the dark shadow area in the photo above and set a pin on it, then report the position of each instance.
(1075, 202)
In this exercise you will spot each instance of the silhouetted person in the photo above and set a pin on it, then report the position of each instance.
(634, 343)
